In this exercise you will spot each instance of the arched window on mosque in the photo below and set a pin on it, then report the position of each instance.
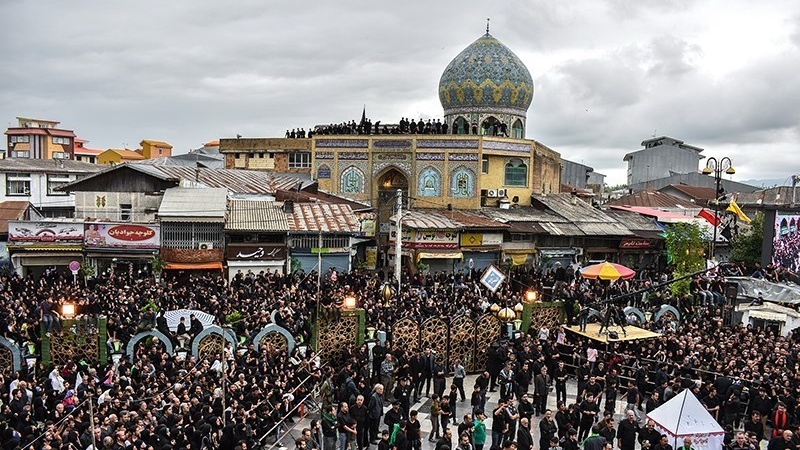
(462, 183)
(460, 126)
(352, 181)
(516, 173)
(493, 127)
(429, 183)
(517, 132)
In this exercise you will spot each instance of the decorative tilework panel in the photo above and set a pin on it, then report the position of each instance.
(462, 182)
(352, 181)
(429, 183)
(324, 155)
(323, 172)
(441, 143)
(349, 156)
(401, 144)
(391, 156)
(430, 156)
(462, 157)
(342, 143)
(508, 146)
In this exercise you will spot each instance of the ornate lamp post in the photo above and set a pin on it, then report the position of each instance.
(349, 302)
(531, 296)
(715, 168)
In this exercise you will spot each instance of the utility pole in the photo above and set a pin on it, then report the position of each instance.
(224, 379)
(398, 244)
(795, 180)
(319, 282)
(91, 420)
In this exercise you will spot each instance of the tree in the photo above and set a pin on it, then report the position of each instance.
(746, 246)
(686, 252)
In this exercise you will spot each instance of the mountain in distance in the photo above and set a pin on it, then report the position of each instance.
(769, 182)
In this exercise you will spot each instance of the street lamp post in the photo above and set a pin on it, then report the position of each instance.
(715, 168)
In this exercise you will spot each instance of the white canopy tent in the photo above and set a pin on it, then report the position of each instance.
(684, 416)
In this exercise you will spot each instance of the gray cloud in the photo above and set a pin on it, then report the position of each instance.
(607, 74)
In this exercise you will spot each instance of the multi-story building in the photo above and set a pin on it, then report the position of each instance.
(39, 139)
(84, 153)
(661, 157)
(273, 154)
(38, 181)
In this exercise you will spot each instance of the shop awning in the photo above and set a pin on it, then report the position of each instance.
(439, 255)
(768, 315)
(194, 266)
(519, 259)
(519, 251)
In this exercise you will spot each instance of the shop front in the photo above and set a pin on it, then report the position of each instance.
(548, 257)
(435, 250)
(640, 252)
(255, 258)
(480, 250)
(121, 248)
(309, 260)
(40, 247)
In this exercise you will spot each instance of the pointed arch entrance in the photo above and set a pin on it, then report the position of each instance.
(387, 182)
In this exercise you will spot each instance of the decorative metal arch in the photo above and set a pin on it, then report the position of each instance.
(152, 333)
(636, 312)
(405, 334)
(462, 342)
(667, 309)
(487, 331)
(16, 353)
(434, 335)
(275, 329)
(230, 336)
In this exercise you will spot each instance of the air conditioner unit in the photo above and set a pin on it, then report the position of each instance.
(492, 193)
(501, 193)
(205, 245)
(579, 251)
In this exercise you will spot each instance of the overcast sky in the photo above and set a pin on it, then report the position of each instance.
(721, 75)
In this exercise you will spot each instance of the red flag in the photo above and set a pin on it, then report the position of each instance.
(710, 217)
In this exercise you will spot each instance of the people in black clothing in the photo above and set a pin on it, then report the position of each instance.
(627, 431)
(589, 409)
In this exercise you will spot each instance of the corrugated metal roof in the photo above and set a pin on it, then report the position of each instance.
(194, 204)
(47, 166)
(652, 199)
(325, 217)
(523, 214)
(603, 229)
(474, 220)
(237, 181)
(571, 208)
(11, 210)
(561, 229)
(256, 215)
(634, 221)
(526, 228)
(429, 220)
(695, 192)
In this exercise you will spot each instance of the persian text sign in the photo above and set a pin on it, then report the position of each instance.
(634, 243)
(122, 235)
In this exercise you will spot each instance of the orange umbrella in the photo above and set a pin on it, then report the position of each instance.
(607, 271)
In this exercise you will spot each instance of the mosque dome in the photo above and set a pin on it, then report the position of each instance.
(486, 76)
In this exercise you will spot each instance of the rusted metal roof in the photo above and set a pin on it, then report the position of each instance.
(611, 228)
(695, 192)
(562, 229)
(193, 205)
(634, 221)
(326, 217)
(12, 210)
(256, 215)
(238, 181)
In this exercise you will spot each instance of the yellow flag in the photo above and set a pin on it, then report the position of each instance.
(734, 208)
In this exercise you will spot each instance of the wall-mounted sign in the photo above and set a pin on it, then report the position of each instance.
(371, 258)
(255, 252)
(23, 231)
(481, 239)
(635, 243)
(122, 235)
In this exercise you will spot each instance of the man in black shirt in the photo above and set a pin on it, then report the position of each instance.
(413, 431)
(608, 430)
(589, 409)
(712, 403)
(358, 411)
(648, 436)
(560, 376)
(627, 431)
(755, 426)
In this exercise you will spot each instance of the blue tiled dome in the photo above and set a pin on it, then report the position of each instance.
(486, 74)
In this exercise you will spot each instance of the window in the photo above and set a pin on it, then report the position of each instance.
(160, 151)
(484, 164)
(260, 156)
(18, 184)
(299, 160)
(21, 154)
(517, 131)
(56, 181)
(60, 140)
(60, 155)
(125, 211)
(520, 237)
(516, 173)
(237, 155)
(20, 139)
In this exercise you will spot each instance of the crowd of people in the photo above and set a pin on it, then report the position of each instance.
(238, 399)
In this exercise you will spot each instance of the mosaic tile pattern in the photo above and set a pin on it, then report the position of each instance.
(342, 143)
(462, 157)
(324, 155)
(507, 146)
(404, 167)
(430, 156)
(350, 156)
(436, 143)
(486, 73)
(402, 144)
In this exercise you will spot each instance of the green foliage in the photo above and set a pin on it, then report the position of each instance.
(422, 267)
(617, 187)
(157, 263)
(86, 269)
(746, 246)
(686, 252)
(233, 317)
(295, 264)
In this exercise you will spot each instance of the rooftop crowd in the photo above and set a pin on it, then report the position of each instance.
(239, 400)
